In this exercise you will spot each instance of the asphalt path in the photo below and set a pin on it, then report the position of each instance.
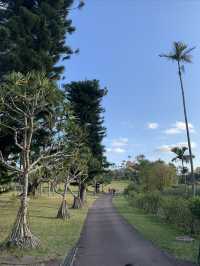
(108, 240)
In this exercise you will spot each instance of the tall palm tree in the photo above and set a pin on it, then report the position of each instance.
(181, 54)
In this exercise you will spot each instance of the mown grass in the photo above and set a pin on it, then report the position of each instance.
(119, 185)
(57, 236)
(162, 234)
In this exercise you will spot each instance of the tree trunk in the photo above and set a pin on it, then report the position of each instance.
(184, 176)
(49, 189)
(63, 212)
(77, 204)
(21, 235)
(82, 193)
(188, 132)
(32, 188)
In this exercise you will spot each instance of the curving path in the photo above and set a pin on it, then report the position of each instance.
(108, 240)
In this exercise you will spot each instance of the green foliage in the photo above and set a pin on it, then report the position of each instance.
(157, 175)
(130, 188)
(85, 98)
(5, 188)
(33, 35)
(176, 211)
(161, 233)
(149, 202)
(195, 207)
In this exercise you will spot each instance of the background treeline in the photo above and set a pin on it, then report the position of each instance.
(159, 189)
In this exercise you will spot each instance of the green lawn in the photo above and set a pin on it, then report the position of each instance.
(154, 229)
(119, 185)
(57, 236)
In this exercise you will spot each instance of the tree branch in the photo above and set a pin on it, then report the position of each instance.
(10, 167)
(17, 143)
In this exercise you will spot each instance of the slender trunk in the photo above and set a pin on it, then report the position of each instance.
(184, 176)
(188, 132)
(63, 212)
(77, 204)
(82, 192)
(21, 235)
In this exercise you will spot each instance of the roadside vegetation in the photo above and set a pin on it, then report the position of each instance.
(161, 233)
(159, 202)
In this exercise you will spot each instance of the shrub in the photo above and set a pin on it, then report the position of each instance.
(131, 187)
(177, 212)
(195, 207)
(149, 202)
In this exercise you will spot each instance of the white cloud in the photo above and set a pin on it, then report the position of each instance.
(118, 146)
(119, 150)
(115, 150)
(167, 148)
(152, 125)
(121, 142)
(178, 128)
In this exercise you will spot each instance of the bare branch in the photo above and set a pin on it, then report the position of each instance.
(47, 157)
(6, 126)
(17, 143)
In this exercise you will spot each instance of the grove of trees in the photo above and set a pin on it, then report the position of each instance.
(46, 133)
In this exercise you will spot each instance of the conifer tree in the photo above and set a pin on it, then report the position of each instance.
(85, 98)
(33, 35)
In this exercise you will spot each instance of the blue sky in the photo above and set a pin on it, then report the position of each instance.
(119, 44)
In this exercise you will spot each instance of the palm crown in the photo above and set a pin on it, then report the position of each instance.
(180, 53)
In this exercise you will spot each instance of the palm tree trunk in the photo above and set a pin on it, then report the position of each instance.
(187, 130)
(184, 176)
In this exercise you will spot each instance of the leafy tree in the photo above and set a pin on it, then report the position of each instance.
(22, 99)
(181, 54)
(85, 98)
(156, 176)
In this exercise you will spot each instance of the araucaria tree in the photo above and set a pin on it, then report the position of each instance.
(33, 35)
(22, 99)
(85, 98)
(181, 54)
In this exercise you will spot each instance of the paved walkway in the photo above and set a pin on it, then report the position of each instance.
(107, 240)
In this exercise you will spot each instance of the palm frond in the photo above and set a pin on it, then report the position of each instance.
(180, 52)
(186, 58)
(189, 50)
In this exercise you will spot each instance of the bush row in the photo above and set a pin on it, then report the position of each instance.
(183, 213)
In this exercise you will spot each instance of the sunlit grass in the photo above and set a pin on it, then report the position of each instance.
(57, 236)
(119, 185)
